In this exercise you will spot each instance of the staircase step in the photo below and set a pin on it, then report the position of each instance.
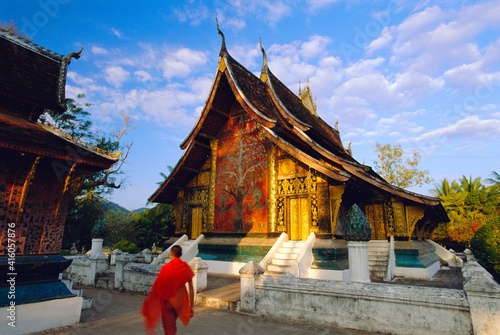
(287, 250)
(284, 262)
(279, 255)
(293, 244)
(277, 268)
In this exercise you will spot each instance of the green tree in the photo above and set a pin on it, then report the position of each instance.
(87, 207)
(469, 204)
(485, 246)
(397, 171)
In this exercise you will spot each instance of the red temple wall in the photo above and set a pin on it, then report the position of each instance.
(39, 227)
(241, 187)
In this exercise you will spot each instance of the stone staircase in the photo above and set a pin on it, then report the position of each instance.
(378, 258)
(189, 250)
(283, 260)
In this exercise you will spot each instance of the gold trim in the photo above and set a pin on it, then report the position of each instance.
(211, 189)
(273, 176)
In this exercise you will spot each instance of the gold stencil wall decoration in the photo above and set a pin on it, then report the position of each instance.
(336, 192)
(400, 219)
(375, 215)
(389, 216)
(413, 215)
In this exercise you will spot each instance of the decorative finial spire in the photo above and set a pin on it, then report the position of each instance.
(223, 47)
(74, 55)
(349, 149)
(263, 70)
(337, 125)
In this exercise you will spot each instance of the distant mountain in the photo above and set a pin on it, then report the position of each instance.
(140, 210)
(115, 207)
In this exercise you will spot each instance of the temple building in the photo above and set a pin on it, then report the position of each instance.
(260, 161)
(42, 169)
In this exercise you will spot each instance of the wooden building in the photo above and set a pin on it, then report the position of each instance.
(261, 161)
(41, 170)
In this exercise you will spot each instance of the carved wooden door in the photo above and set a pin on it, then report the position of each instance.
(299, 217)
(196, 221)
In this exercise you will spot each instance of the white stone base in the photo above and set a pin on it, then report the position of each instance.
(417, 273)
(340, 275)
(40, 316)
(228, 268)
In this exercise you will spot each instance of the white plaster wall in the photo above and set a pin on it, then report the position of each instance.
(139, 277)
(80, 271)
(340, 275)
(43, 315)
(375, 307)
(220, 267)
(417, 273)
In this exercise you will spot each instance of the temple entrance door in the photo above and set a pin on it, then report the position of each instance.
(299, 218)
(196, 220)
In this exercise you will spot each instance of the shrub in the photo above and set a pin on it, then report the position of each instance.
(126, 246)
(485, 245)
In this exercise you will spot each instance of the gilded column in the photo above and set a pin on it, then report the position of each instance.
(211, 188)
(272, 172)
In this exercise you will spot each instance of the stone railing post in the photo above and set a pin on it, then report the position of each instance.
(248, 274)
(148, 255)
(200, 269)
(121, 261)
(357, 232)
(114, 254)
(483, 294)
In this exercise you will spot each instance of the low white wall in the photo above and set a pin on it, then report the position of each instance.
(417, 273)
(30, 318)
(375, 307)
(228, 268)
(340, 275)
(83, 269)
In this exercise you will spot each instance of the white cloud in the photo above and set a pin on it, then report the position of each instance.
(181, 62)
(116, 32)
(471, 126)
(116, 75)
(383, 40)
(98, 50)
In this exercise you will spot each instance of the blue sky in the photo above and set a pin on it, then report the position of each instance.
(425, 74)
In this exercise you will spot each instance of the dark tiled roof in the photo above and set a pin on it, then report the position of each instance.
(30, 137)
(319, 130)
(32, 78)
(252, 88)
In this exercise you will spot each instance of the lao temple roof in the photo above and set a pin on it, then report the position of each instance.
(284, 119)
(33, 80)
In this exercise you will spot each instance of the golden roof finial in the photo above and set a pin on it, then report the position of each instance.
(307, 99)
(223, 47)
(263, 71)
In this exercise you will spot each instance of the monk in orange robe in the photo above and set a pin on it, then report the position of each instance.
(169, 298)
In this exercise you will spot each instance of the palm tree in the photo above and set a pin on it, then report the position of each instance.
(495, 179)
(469, 185)
(443, 189)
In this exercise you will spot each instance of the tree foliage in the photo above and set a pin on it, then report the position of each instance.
(485, 245)
(398, 171)
(469, 204)
(87, 207)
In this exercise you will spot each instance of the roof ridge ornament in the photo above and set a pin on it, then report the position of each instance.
(75, 55)
(265, 68)
(223, 48)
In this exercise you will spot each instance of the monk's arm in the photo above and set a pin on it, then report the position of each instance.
(191, 296)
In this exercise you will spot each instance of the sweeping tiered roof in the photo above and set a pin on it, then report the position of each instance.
(33, 80)
(285, 121)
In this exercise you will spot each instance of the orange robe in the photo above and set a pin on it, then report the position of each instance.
(169, 285)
